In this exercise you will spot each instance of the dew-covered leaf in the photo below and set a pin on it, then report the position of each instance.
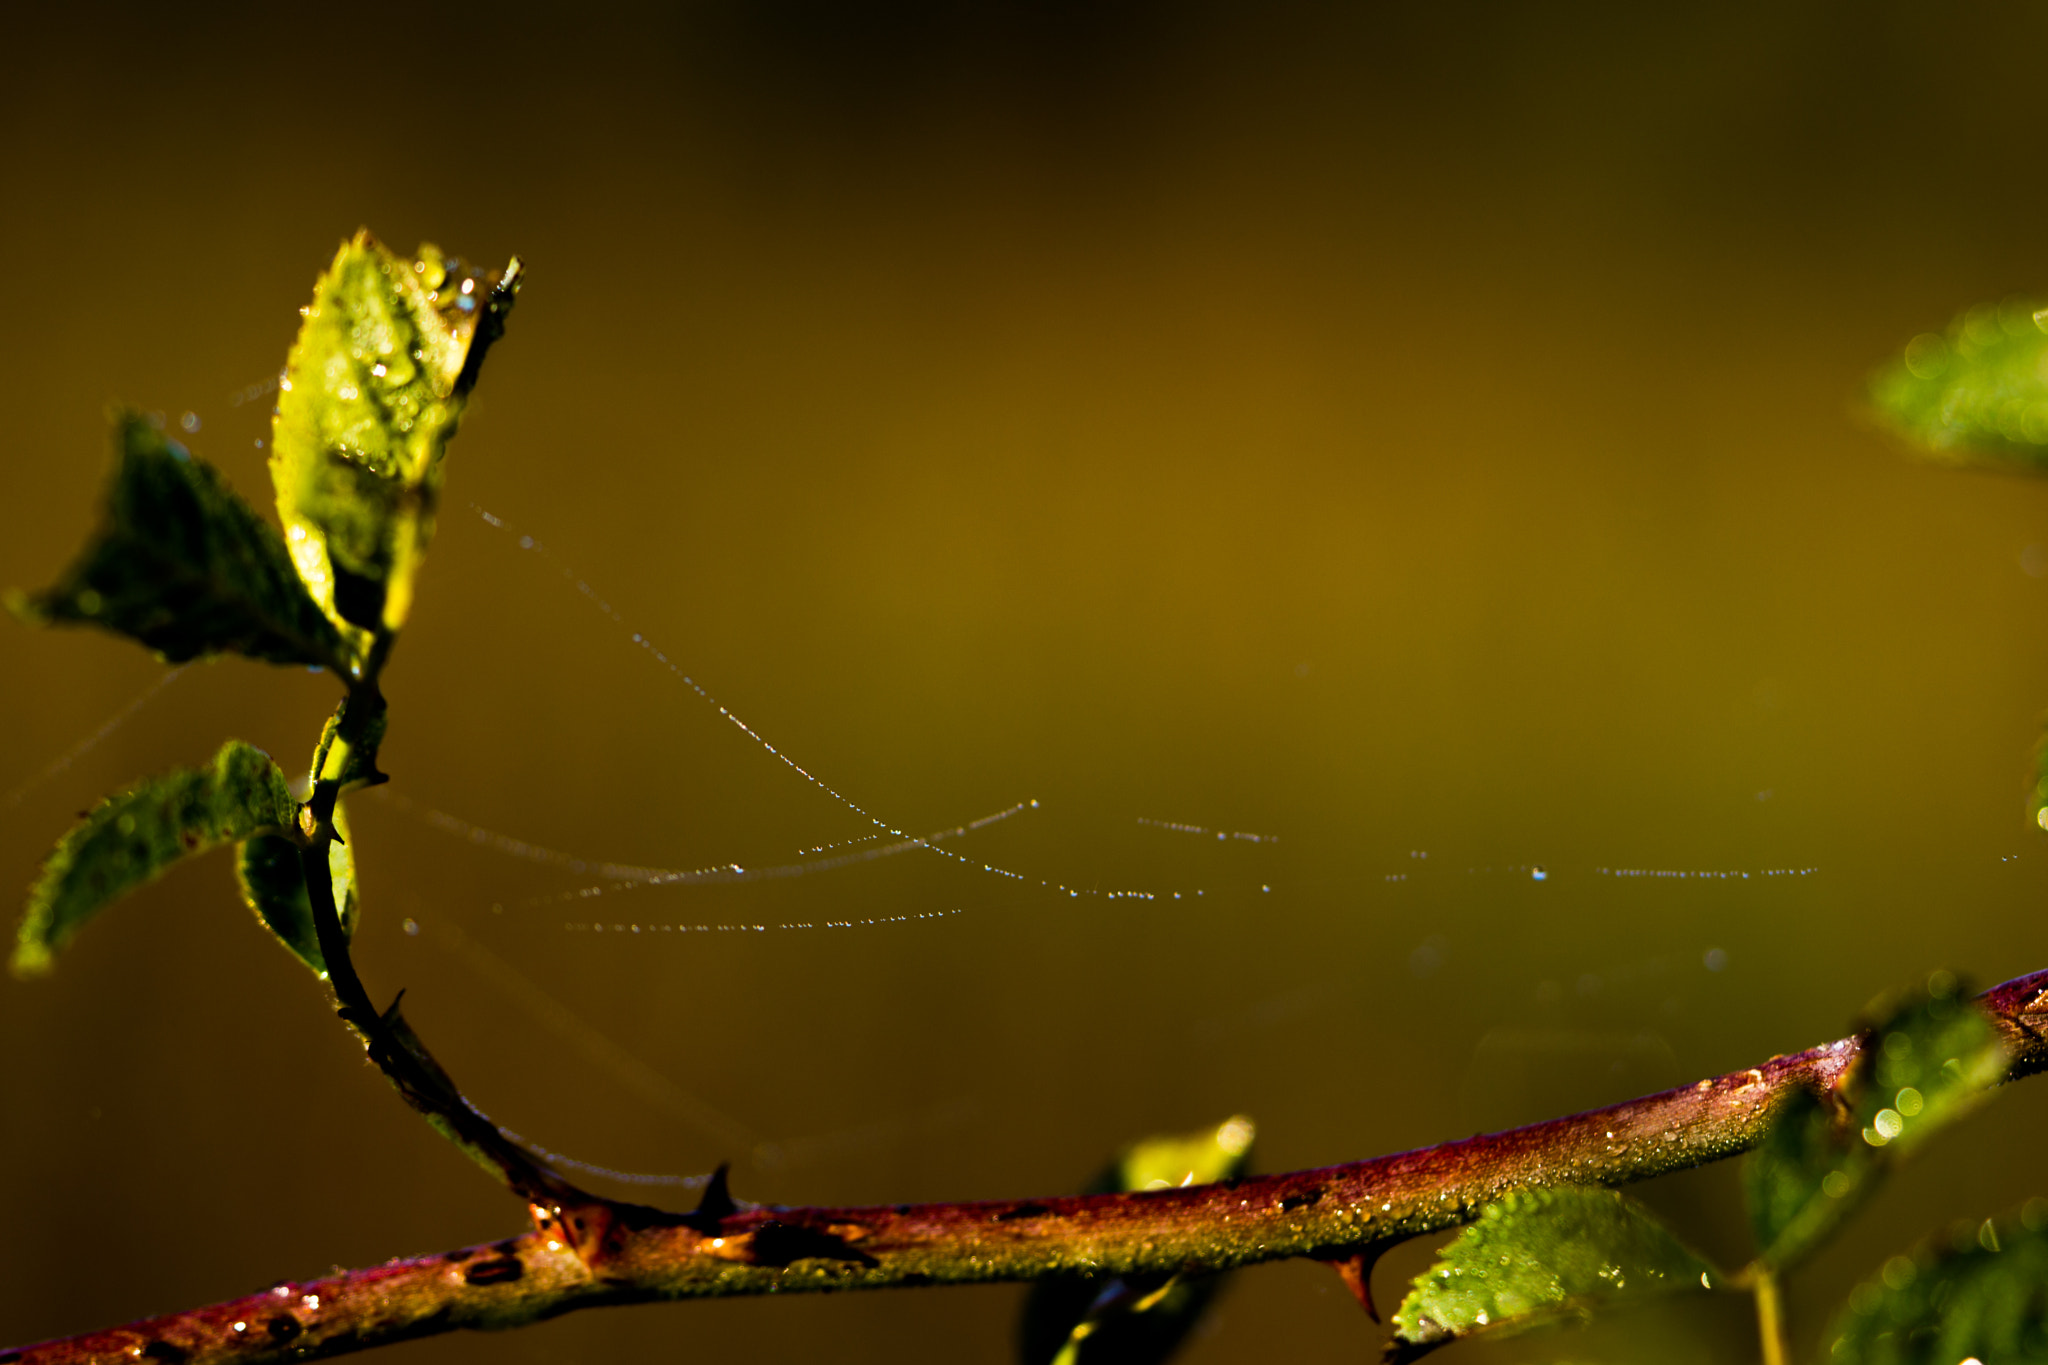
(1977, 393)
(134, 836)
(273, 882)
(1927, 1061)
(1135, 1319)
(1979, 1294)
(1539, 1255)
(183, 565)
(371, 395)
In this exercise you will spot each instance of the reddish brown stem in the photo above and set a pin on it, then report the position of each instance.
(632, 1255)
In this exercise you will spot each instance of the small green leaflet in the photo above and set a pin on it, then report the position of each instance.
(370, 398)
(1983, 1296)
(132, 837)
(1135, 1320)
(351, 763)
(1978, 392)
(273, 885)
(1926, 1062)
(183, 565)
(1199, 1158)
(2037, 800)
(1539, 1255)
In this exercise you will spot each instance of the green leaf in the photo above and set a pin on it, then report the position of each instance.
(1924, 1064)
(371, 396)
(1199, 1158)
(1983, 1296)
(2037, 799)
(186, 567)
(132, 837)
(273, 882)
(1977, 393)
(347, 751)
(1539, 1255)
(1138, 1319)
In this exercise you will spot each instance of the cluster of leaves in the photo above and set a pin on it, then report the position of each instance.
(1541, 1255)
(368, 401)
(1556, 1254)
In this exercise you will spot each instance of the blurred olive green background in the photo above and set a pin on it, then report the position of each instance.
(1398, 431)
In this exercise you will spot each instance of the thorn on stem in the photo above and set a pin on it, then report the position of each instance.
(717, 1203)
(1356, 1272)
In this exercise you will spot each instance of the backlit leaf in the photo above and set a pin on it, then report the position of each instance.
(1539, 1255)
(1134, 1320)
(131, 838)
(186, 567)
(1978, 392)
(371, 395)
(1981, 1294)
(1198, 1158)
(1926, 1062)
(273, 885)
(2037, 799)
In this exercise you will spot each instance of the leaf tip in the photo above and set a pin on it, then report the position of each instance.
(23, 607)
(31, 961)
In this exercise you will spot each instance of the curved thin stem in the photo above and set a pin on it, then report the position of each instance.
(347, 758)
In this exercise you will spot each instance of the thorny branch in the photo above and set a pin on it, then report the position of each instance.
(347, 757)
(1342, 1214)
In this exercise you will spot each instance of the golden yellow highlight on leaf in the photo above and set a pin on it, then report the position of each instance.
(372, 393)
